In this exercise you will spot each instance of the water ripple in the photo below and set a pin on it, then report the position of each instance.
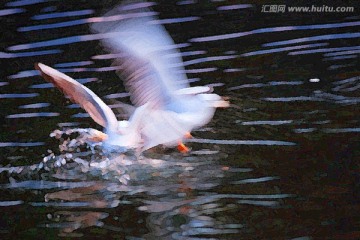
(117, 95)
(23, 3)
(255, 180)
(138, 5)
(29, 54)
(76, 39)
(274, 123)
(80, 115)
(57, 42)
(340, 57)
(35, 105)
(242, 142)
(268, 84)
(212, 198)
(325, 96)
(24, 74)
(73, 64)
(19, 95)
(103, 19)
(192, 53)
(53, 25)
(68, 124)
(316, 96)
(342, 130)
(274, 29)
(201, 70)
(234, 7)
(186, 2)
(73, 106)
(326, 50)
(260, 203)
(304, 130)
(175, 20)
(33, 184)
(6, 12)
(292, 99)
(207, 231)
(283, 49)
(348, 80)
(230, 70)
(31, 73)
(314, 38)
(35, 114)
(353, 51)
(21, 144)
(60, 204)
(50, 85)
(347, 85)
(42, 85)
(208, 59)
(338, 66)
(10, 203)
(63, 14)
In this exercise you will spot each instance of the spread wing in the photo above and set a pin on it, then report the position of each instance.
(80, 94)
(150, 64)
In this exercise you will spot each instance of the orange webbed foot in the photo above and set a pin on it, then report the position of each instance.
(182, 148)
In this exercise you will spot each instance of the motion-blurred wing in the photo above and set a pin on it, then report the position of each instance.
(150, 64)
(80, 94)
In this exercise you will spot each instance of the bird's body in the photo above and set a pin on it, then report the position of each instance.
(168, 126)
(167, 108)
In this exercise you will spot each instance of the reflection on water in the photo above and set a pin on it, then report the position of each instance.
(280, 163)
(99, 179)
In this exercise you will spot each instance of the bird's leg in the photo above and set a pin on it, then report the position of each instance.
(182, 148)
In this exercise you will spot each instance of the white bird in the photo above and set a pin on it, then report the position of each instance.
(118, 133)
(168, 109)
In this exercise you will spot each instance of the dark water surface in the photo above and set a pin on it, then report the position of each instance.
(281, 163)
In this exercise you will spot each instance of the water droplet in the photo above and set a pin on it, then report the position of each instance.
(314, 80)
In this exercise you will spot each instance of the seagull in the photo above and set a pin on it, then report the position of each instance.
(123, 133)
(167, 109)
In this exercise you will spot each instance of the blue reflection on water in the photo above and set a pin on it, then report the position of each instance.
(283, 49)
(21, 144)
(19, 95)
(53, 25)
(23, 3)
(35, 105)
(242, 142)
(314, 38)
(62, 14)
(5, 12)
(33, 115)
(274, 29)
(29, 54)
